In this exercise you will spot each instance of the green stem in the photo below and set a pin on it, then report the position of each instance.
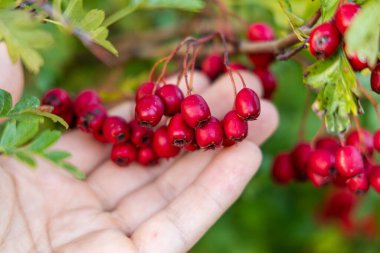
(120, 14)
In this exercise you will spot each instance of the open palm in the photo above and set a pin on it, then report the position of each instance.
(165, 208)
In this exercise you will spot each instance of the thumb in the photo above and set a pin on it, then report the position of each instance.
(11, 74)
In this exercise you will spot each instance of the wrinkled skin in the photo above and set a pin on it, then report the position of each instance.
(165, 208)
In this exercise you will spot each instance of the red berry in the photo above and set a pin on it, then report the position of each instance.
(282, 169)
(140, 136)
(358, 184)
(338, 180)
(195, 111)
(84, 99)
(227, 142)
(327, 143)
(260, 32)
(99, 135)
(172, 98)
(123, 153)
(162, 145)
(349, 161)
(362, 140)
(92, 117)
(340, 204)
(147, 157)
(59, 99)
(300, 158)
(344, 16)
(69, 117)
(234, 127)
(210, 135)
(116, 129)
(356, 62)
(375, 79)
(321, 162)
(236, 66)
(144, 90)
(318, 180)
(149, 110)
(374, 177)
(268, 81)
(324, 40)
(192, 146)
(376, 140)
(247, 104)
(212, 65)
(180, 134)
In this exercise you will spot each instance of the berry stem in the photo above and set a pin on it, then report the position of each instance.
(154, 68)
(192, 64)
(370, 99)
(185, 69)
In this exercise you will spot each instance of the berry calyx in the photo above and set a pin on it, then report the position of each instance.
(358, 184)
(123, 154)
(349, 161)
(162, 144)
(140, 136)
(146, 156)
(149, 110)
(268, 81)
(235, 128)
(324, 40)
(91, 119)
(172, 98)
(59, 99)
(210, 135)
(116, 129)
(144, 90)
(375, 78)
(212, 65)
(321, 162)
(282, 169)
(180, 134)
(374, 178)
(85, 99)
(362, 140)
(99, 136)
(344, 16)
(195, 111)
(247, 104)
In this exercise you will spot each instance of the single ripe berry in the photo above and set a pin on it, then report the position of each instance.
(92, 117)
(344, 16)
(376, 140)
(85, 99)
(260, 32)
(123, 153)
(362, 140)
(349, 161)
(268, 81)
(149, 111)
(162, 145)
(322, 162)
(140, 136)
(195, 111)
(374, 177)
(235, 128)
(300, 158)
(210, 135)
(324, 40)
(356, 62)
(340, 204)
(99, 136)
(144, 90)
(116, 129)
(146, 156)
(318, 180)
(172, 98)
(247, 104)
(282, 169)
(358, 184)
(59, 99)
(180, 134)
(328, 143)
(212, 65)
(375, 78)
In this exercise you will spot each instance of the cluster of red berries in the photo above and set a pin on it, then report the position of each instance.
(349, 165)
(191, 125)
(326, 38)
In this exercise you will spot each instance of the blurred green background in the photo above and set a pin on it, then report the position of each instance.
(267, 217)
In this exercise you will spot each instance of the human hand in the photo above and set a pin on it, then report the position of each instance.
(165, 208)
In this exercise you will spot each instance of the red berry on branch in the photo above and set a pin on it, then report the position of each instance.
(268, 81)
(227, 142)
(375, 79)
(344, 16)
(324, 40)
(356, 62)
(123, 154)
(172, 98)
(328, 143)
(247, 104)
(213, 65)
(300, 158)
(318, 180)
(376, 140)
(210, 135)
(149, 111)
(140, 136)
(144, 90)
(358, 184)
(349, 161)
(235, 128)
(236, 66)
(195, 111)
(362, 140)
(69, 117)
(180, 134)
(99, 136)
(374, 177)
(116, 129)
(59, 99)
(91, 118)
(339, 180)
(192, 146)
(282, 169)
(322, 162)
(162, 144)
(146, 156)
(85, 99)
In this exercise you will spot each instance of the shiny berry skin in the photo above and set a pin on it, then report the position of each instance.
(144, 90)
(358, 184)
(59, 99)
(116, 129)
(324, 40)
(282, 169)
(247, 104)
(91, 118)
(349, 161)
(374, 178)
(140, 136)
(328, 143)
(180, 134)
(212, 65)
(234, 127)
(321, 162)
(268, 81)
(99, 136)
(195, 111)
(227, 142)
(356, 62)
(147, 157)
(344, 16)
(300, 158)
(318, 180)
(123, 154)
(172, 98)
(210, 135)
(162, 145)
(376, 140)
(149, 110)
(375, 78)
(260, 32)
(362, 140)
(84, 99)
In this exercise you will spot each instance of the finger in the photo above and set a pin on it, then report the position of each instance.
(190, 215)
(200, 82)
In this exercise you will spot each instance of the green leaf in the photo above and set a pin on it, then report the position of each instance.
(5, 102)
(56, 155)
(318, 74)
(44, 140)
(328, 8)
(51, 116)
(26, 158)
(8, 135)
(7, 4)
(26, 102)
(362, 37)
(74, 171)
(294, 21)
(26, 130)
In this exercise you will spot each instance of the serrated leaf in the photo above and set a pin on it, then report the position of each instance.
(328, 8)
(26, 158)
(362, 37)
(56, 155)
(51, 116)
(318, 74)
(5, 102)
(44, 140)
(26, 102)
(74, 171)
(8, 135)
(25, 131)
(294, 21)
